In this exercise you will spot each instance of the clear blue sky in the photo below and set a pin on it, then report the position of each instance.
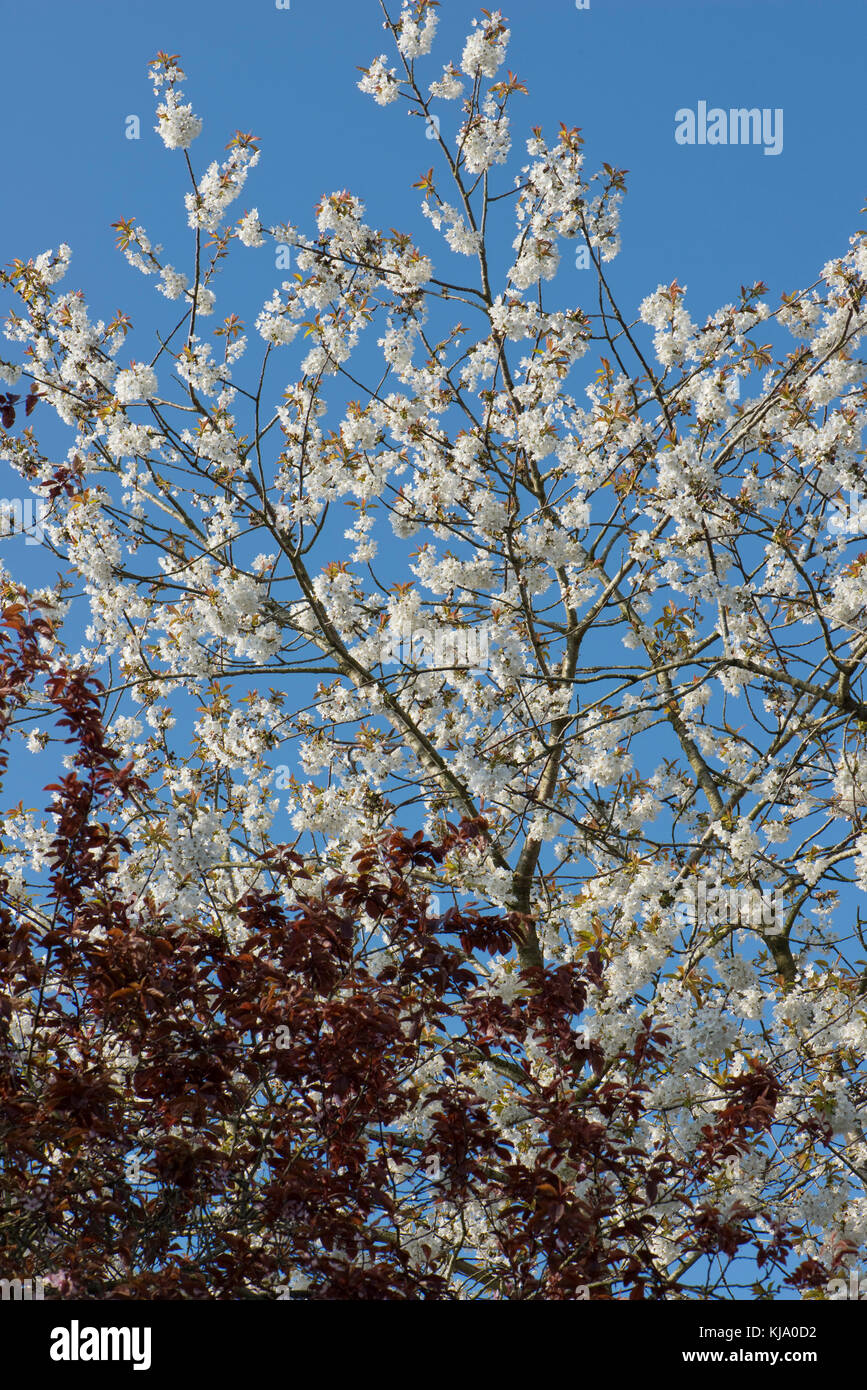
(712, 217)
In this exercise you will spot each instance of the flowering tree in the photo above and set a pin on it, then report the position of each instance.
(187, 1119)
(447, 812)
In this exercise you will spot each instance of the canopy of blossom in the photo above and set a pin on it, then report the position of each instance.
(623, 539)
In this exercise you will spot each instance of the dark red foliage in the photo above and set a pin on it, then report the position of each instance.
(273, 1083)
(8, 403)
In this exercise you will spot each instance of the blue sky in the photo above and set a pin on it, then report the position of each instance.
(712, 217)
